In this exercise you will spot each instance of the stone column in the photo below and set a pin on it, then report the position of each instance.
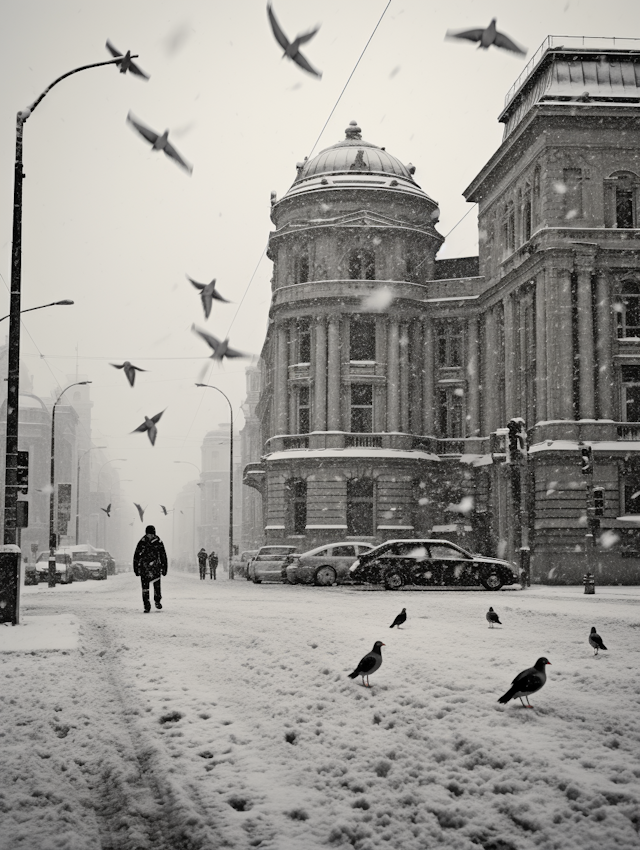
(472, 380)
(541, 348)
(584, 265)
(403, 350)
(393, 377)
(491, 382)
(510, 358)
(282, 378)
(564, 345)
(415, 376)
(320, 377)
(428, 386)
(333, 375)
(605, 344)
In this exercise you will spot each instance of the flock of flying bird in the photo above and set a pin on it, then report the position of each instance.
(527, 682)
(160, 142)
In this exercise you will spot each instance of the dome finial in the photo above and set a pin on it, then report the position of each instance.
(353, 131)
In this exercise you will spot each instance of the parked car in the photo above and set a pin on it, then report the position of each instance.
(430, 562)
(268, 564)
(92, 563)
(241, 562)
(324, 565)
(108, 561)
(64, 567)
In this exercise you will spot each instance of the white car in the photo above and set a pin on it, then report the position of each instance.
(325, 565)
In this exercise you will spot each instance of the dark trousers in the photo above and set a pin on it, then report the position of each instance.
(157, 592)
(212, 571)
(203, 570)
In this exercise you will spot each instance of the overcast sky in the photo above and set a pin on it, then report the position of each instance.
(115, 226)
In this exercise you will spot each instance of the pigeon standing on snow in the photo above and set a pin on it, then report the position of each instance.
(149, 425)
(400, 618)
(369, 663)
(220, 348)
(207, 293)
(596, 641)
(291, 48)
(141, 511)
(527, 683)
(159, 142)
(492, 618)
(129, 370)
(107, 510)
(487, 37)
(126, 63)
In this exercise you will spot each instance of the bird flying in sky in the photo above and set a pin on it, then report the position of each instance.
(400, 619)
(596, 641)
(492, 617)
(107, 510)
(164, 510)
(141, 511)
(369, 663)
(126, 63)
(208, 292)
(129, 370)
(527, 683)
(159, 142)
(149, 425)
(220, 348)
(487, 37)
(292, 48)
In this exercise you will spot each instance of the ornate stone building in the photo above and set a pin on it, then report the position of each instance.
(390, 377)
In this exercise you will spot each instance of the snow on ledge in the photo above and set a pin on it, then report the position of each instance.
(374, 454)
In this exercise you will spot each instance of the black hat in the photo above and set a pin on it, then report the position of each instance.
(150, 529)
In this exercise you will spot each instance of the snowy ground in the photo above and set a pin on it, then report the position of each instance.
(228, 720)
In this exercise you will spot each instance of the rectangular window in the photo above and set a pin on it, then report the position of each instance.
(630, 394)
(361, 408)
(624, 207)
(304, 340)
(526, 218)
(572, 178)
(451, 412)
(449, 344)
(362, 333)
(303, 410)
(360, 507)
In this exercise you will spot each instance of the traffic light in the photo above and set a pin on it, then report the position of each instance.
(22, 473)
(516, 439)
(586, 464)
(598, 501)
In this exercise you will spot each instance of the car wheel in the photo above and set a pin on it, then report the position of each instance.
(326, 576)
(393, 580)
(491, 580)
(256, 580)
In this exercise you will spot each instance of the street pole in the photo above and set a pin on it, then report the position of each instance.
(53, 541)
(78, 489)
(211, 387)
(13, 365)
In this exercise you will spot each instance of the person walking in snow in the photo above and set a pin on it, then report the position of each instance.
(202, 562)
(213, 565)
(150, 564)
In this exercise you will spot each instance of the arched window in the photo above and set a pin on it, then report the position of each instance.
(625, 191)
(628, 310)
(508, 229)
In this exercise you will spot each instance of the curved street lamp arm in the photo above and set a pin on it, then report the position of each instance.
(22, 116)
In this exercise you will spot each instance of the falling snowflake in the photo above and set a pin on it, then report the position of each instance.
(423, 501)
(377, 301)
(464, 506)
(571, 214)
(419, 553)
(608, 539)
(458, 391)
(560, 188)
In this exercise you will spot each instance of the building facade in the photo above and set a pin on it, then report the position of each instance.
(492, 400)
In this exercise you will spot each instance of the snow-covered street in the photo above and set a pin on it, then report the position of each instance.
(228, 719)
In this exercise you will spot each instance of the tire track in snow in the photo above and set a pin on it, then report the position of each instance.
(136, 811)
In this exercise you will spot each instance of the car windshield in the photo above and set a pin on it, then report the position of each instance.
(276, 552)
(87, 556)
(343, 551)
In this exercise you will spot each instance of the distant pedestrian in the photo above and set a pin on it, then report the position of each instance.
(202, 562)
(150, 563)
(213, 565)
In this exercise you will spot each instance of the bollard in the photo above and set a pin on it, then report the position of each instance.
(589, 582)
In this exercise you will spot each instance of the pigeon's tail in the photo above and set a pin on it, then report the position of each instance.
(497, 620)
(509, 695)
(602, 646)
(354, 675)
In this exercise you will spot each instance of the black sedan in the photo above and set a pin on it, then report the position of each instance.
(435, 562)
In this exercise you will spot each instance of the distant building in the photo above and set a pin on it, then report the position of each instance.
(391, 379)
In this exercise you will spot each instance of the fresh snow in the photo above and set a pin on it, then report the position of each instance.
(228, 719)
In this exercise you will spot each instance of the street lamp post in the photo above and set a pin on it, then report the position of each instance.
(78, 488)
(211, 387)
(13, 366)
(53, 542)
(65, 303)
(194, 498)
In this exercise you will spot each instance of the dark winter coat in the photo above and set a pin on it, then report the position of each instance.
(213, 560)
(202, 558)
(150, 558)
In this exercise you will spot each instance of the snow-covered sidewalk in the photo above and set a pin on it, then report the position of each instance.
(227, 719)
